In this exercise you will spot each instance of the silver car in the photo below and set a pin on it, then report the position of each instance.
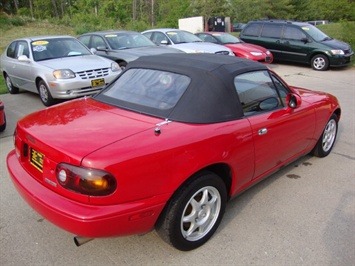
(185, 41)
(56, 67)
(122, 46)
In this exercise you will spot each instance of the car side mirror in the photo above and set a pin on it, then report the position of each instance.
(164, 42)
(101, 48)
(293, 100)
(23, 58)
(93, 50)
(305, 40)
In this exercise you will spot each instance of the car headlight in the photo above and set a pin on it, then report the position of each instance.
(256, 53)
(63, 74)
(115, 67)
(268, 52)
(339, 52)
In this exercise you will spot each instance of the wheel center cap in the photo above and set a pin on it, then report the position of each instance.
(201, 214)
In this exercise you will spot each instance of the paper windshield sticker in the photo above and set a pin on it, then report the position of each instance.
(40, 43)
(39, 46)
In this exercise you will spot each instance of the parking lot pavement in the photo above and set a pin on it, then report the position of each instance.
(302, 215)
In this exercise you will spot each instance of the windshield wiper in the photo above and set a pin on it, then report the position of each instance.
(327, 39)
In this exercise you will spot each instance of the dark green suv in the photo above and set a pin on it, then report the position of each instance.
(298, 42)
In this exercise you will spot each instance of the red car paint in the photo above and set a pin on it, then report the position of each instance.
(149, 167)
(239, 48)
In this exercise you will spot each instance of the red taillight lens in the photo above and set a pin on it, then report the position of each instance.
(86, 181)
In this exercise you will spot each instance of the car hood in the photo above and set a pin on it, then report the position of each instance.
(200, 47)
(80, 127)
(147, 50)
(246, 47)
(77, 63)
(336, 44)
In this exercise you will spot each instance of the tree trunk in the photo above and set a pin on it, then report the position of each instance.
(134, 9)
(55, 8)
(16, 5)
(31, 10)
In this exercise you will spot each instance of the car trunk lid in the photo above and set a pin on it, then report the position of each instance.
(68, 132)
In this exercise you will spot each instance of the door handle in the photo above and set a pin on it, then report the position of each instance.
(262, 131)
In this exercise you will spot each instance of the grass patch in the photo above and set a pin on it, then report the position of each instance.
(342, 31)
(33, 29)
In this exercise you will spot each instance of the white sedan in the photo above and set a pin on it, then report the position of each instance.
(55, 67)
(185, 41)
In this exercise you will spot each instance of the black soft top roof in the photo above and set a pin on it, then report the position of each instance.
(211, 96)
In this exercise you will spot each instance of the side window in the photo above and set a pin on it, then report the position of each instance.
(257, 92)
(85, 40)
(295, 34)
(97, 41)
(252, 29)
(281, 88)
(148, 35)
(207, 38)
(272, 31)
(22, 49)
(158, 37)
(11, 50)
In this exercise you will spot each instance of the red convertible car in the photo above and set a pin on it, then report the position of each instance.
(239, 48)
(166, 146)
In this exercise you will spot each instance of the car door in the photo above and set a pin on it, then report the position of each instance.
(296, 45)
(270, 38)
(279, 132)
(21, 70)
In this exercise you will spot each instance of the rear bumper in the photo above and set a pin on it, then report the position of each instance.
(82, 219)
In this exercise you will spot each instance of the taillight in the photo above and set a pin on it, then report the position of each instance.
(86, 181)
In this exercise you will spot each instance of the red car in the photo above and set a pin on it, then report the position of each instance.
(239, 48)
(166, 146)
(2, 117)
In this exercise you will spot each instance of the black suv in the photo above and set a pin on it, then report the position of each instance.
(298, 42)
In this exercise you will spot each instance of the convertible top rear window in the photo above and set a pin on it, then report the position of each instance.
(199, 91)
(149, 88)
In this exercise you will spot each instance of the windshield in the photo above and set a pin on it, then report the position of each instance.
(226, 38)
(53, 48)
(140, 88)
(182, 37)
(127, 40)
(315, 33)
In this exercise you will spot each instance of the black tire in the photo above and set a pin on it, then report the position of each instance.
(45, 94)
(327, 139)
(194, 212)
(3, 126)
(10, 87)
(320, 62)
(122, 65)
